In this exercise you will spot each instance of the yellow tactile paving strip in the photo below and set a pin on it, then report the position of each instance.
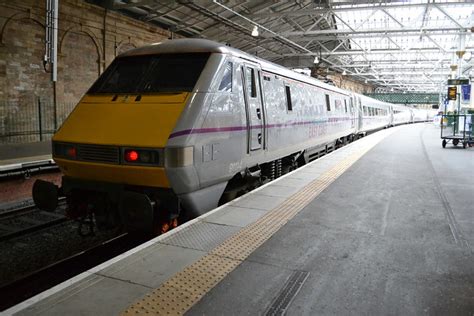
(186, 288)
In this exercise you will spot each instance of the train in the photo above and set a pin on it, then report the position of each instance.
(171, 130)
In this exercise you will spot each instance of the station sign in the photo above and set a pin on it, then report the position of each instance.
(466, 92)
(452, 93)
(457, 82)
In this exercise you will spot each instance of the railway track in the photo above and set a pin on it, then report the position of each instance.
(49, 276)
(28, 219)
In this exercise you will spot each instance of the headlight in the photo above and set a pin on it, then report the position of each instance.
(179, 157)
(62, 150)
(141, 156)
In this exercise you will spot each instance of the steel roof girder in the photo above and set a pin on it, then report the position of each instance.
(378, 5)
(374, 31)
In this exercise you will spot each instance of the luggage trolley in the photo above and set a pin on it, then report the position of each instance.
(457, 128)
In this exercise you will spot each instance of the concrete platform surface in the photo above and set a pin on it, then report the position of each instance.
(12, 152)
(382, 226)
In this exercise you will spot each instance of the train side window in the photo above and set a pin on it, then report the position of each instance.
(328, 103)
(252, 86)
(226, 82)
(345, 105)
(289, 105)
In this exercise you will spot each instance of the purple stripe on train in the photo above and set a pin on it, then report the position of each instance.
(243, 128)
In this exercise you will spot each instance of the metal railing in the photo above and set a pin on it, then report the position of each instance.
(457, 126)
(33, 121)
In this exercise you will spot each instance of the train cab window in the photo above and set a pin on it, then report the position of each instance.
(328, 103)
(289, 104)
(151, 74)
(251, 83)
(226, 82)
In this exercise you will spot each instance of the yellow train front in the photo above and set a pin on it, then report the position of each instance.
(112, 147)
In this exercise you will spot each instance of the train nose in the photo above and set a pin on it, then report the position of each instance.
(146, 123)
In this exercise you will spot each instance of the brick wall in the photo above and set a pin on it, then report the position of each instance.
(89, 38)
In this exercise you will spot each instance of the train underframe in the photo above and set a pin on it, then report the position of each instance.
(112, 206)
(150, 210)
(258, 175)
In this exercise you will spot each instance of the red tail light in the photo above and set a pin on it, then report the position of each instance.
(131, 155)
(141, 156)
(71, 152)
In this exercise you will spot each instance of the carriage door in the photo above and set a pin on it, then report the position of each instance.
(253, 100)
(352, 111)
(360, 115)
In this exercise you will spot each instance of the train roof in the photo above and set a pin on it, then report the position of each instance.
(185, 45)
(195, 45)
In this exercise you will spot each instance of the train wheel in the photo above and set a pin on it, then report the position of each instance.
(444, 143)
(455, 142)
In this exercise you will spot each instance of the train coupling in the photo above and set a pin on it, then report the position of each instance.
(45, 195)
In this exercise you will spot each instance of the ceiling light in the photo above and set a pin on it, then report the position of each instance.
(344, 72)
(255, 31)
(316, 60)
(391, 89)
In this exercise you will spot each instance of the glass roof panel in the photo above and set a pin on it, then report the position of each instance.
(416, 37)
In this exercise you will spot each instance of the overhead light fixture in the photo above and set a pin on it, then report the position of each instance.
(255, 31)
(344, 72)
(391, 89)
(316, 60)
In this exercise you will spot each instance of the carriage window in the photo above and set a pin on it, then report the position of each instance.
(151, 74)
(251, 84)
(226, 83)
(345, 105)
(328, 103)
(289, 105)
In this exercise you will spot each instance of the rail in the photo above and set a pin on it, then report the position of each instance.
(26, 220)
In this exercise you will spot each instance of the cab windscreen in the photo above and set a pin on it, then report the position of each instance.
(151, 74)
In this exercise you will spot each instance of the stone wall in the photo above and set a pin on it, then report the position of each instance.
(89, 38)
(345, 82)
(341, 81)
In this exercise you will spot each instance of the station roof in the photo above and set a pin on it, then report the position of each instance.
(396, 45)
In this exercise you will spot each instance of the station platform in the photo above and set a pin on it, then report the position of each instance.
(11, 155)
(384, 225)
